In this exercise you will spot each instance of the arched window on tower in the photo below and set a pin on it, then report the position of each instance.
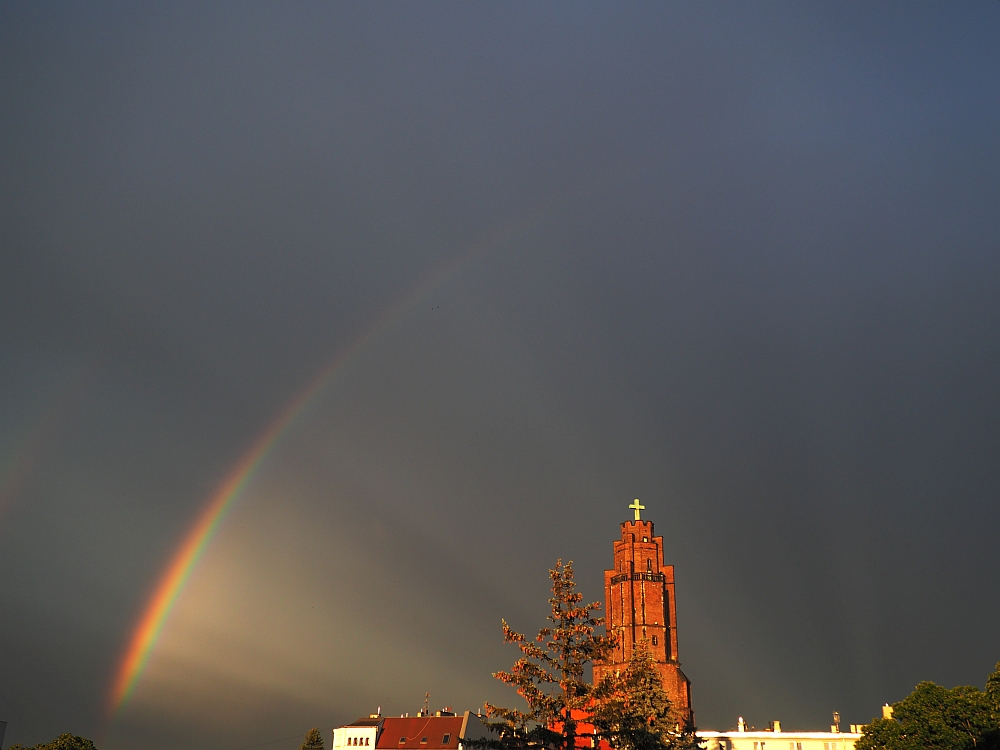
(649, 565)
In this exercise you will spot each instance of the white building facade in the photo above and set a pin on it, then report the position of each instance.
(362, 733)
(778, 740)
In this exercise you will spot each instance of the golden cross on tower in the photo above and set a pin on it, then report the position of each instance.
(636, 507)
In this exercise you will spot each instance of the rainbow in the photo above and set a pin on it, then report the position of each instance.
(198, 537)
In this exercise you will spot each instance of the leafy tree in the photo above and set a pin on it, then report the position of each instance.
(313, 740)
(633, 712)
(936, 718)
(550, 674)
(62, 742)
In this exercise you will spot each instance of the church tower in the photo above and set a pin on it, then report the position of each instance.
(639, 604)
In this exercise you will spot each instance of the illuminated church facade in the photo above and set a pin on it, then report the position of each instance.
(640, 604)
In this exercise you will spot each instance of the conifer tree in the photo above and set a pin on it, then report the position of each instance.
(550, 675)
(313, 740)
(632, 711)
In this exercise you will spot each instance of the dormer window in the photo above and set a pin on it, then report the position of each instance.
(402, 740)
(446, 739)
(423, 740)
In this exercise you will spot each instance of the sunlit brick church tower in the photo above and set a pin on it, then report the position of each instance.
(639, 603)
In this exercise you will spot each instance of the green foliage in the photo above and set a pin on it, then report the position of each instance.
(313, 740)
(936, 718)
(632, 710)
(62, 742)
(550, 674)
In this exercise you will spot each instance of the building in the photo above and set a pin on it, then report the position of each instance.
(775, 739)
(640, 605)
(440, 731)
(361, 733)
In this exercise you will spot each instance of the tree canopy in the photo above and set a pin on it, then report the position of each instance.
(936, 718)
(313, 740)
(632, 711)
(62, 742)
(550, 675)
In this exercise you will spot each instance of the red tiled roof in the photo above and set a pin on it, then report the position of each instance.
(420, 733)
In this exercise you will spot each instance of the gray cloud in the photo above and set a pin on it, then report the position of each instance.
(747, 272)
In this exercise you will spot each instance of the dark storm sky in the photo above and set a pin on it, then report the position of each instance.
(738, 261)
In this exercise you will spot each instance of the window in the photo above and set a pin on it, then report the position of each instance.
(402, 740)
(423, 740)
(654, 643)
(649, 565)
(446, 739)
(645, 539)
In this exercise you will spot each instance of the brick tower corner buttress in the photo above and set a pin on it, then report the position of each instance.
(639, 603)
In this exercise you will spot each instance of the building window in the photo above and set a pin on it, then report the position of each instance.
(649, 565)
(654, 640)
(446, 739)
(402, 740)
(645, 539)
(423, 740)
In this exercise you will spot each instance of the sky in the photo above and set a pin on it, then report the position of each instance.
(438, 289)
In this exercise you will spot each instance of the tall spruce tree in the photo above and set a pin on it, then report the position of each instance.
(550, 675)
(313, 740)
(632, 711)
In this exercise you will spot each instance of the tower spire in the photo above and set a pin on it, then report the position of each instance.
(640, 606)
